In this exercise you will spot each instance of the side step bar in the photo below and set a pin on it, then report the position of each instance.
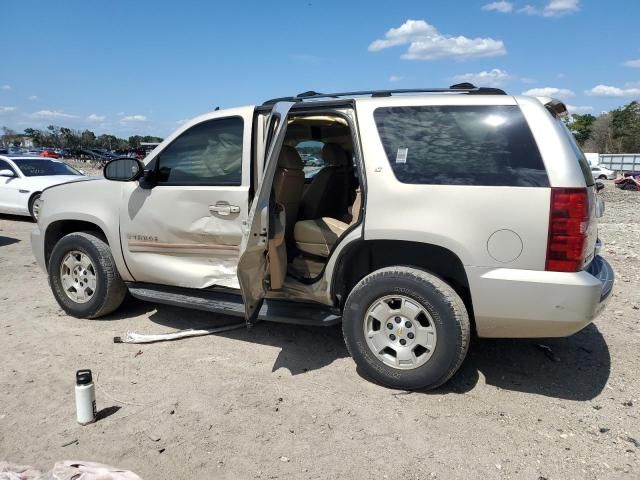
(227, 303)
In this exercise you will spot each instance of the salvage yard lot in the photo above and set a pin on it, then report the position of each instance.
(280, 401)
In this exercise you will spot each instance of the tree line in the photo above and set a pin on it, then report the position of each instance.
(617, 131)
(61, 137)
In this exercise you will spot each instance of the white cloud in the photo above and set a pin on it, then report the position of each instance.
(5, 87)
(395, 78)
(549, 92)
(632, 63)
(501, 6)
(610, 91)
(426, 43)
(51, 114)
(96, 118)
(554, 8)
(134, 118)
(493, 78)
(183, 121)
(7, 109)
(32, 97)
(560, 7)
(579, 109)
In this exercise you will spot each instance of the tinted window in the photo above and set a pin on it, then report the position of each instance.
(209, 153)
(582, 160)
(5, 166)
(38, 168)
(461, 145)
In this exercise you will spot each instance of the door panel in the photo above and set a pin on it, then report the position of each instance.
(252, 265)
(187, 230)
(11, 199)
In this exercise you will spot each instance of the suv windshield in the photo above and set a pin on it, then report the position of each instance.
(39, 168)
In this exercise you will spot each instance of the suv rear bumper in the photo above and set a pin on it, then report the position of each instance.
(510, 303)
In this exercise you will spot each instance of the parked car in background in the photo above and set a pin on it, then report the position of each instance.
(50, 154)
(22, 179)
(602, 173)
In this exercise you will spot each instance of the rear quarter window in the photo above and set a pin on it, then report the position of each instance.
(582, 160)
(461, 145)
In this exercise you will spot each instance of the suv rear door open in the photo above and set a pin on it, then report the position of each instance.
(252, 264)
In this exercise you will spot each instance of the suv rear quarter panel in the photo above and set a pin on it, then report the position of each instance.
(513, 297)
(474, 222)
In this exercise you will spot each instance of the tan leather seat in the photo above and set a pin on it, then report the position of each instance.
(317, 237)
(328, 193)
(288, 184)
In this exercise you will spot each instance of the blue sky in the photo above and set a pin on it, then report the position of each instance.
(128, 67)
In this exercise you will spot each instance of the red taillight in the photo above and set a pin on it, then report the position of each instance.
(568, 224)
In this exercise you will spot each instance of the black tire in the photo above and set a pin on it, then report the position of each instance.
(110, 290)
(440, 301)
(32, 200)
(602, 177)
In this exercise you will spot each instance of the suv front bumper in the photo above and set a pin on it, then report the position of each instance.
(510, 303)
(37, 247)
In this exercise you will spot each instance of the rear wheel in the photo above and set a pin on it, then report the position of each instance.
(83, 276)
(602, 177)
(406, 328)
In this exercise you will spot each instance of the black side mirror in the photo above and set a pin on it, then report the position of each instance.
(599, 186)
(148, 179)
(123, 169)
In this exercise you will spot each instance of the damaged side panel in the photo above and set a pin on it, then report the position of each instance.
(186, 230)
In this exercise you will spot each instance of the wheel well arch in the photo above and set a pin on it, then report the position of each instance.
(365, 256)
(56, 230)
(31, 199)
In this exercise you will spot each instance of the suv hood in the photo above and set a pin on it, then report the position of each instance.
(46, 182)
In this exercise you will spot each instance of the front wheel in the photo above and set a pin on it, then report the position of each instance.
(406, 328)
(602, 177)
(83, 276)
(34, 206)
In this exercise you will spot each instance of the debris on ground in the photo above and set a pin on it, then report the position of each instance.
(133, 337)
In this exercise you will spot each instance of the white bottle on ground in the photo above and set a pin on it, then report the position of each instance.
(85, 397)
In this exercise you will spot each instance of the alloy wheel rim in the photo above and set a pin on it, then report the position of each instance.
(78, 276)
(36, 208)
(400, 332)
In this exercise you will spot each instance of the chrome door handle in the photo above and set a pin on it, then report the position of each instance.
(224, 209)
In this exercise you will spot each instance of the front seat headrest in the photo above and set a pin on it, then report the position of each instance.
(289, 158)
(334, 155)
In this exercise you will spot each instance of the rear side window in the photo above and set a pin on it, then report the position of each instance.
(461, 145)
(582, 160)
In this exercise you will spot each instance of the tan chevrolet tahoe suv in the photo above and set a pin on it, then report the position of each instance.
(413, 217)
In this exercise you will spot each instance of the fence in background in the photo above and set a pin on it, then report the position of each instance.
(622, 162)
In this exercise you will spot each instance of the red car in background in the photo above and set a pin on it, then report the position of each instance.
(49, 154)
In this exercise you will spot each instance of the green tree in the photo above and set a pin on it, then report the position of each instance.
(625, 128)
(581, 126)
(87, 139)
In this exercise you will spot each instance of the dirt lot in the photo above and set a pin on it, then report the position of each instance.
(287, 402)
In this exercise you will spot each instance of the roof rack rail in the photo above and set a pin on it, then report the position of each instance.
(467, 88)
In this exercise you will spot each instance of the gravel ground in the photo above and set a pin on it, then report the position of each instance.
(287, 402)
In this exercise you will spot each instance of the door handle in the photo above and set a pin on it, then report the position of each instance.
(224, 209)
